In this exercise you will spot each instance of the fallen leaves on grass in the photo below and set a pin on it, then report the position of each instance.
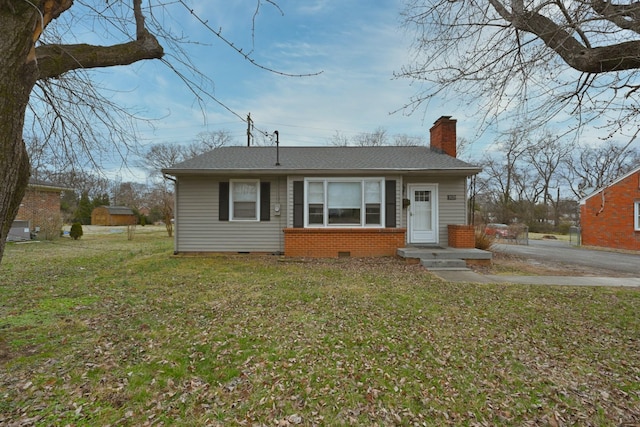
(231, 340)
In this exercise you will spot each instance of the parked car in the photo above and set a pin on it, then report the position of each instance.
(500, 231)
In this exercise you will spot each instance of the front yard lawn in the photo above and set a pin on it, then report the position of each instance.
(106, 331)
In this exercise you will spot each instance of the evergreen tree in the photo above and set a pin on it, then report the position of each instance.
(76, 231)
(101, 200)
(83, 213)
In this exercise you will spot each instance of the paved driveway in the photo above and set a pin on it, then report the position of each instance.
(625, 267)
(563, 252)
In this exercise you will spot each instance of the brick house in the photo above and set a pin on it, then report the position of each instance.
(40, 209)
(324, 201)
(610, 216)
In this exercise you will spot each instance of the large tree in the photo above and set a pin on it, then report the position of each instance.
(377, 138)
(530, 176)
(580, 58)
(24, 62)
(45, 76)
(589, 168)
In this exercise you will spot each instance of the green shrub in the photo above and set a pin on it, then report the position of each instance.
(76, 231)
(564, 228)
(540, 227)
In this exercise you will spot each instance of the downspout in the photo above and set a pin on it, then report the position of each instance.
(602, 205)
(471, 205)
(280, 237)
(466, 200)
(175, 210)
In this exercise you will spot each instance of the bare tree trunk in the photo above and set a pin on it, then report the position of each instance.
(22, 64)
(167, 210)
(17, 78)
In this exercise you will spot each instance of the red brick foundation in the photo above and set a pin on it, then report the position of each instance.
(334, 242)
(461, 236)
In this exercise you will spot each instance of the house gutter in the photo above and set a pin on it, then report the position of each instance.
(348, 172)
(49, 187)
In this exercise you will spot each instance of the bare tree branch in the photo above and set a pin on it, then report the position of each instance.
(536, 59)
(54, 60)
(246, 55)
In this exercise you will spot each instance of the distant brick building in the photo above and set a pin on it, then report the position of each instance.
(610, 216)
(40, 207)
(113, 215)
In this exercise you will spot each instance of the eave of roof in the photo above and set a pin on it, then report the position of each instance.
(614, 182)
(321, 160)
(275, 171)
(46, 187)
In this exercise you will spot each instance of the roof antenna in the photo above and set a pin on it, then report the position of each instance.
(277, 147)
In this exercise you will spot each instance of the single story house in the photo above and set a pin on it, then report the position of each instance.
(610, 216)
(39, 212)
(113, 215)
(324, 201)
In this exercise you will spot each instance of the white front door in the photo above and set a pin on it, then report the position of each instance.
(423, 213)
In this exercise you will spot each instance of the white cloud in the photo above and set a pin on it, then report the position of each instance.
(313, 7)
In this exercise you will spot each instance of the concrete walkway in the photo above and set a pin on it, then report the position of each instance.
(468, 276)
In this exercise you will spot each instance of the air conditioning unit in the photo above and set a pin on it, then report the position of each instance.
(19, 231)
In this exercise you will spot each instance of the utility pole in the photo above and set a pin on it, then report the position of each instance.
(249, 126)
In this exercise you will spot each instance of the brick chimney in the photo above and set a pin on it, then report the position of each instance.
(443, 136)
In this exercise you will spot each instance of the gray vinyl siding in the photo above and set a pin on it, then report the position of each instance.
(199, 230)
(450, 211)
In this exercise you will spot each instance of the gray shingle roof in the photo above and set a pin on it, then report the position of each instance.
(119, 210)
(321, 159)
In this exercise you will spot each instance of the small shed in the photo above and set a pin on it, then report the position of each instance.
(113, 215)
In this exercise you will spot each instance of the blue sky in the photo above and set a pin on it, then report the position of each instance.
(355, 44)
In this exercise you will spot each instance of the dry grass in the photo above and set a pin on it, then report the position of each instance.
(105, 331)
(483, 241)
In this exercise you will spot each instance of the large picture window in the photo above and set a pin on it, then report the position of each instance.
(636, 215)
(243, 200)
(355, 202)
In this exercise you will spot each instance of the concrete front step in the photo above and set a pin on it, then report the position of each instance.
(443, 253)
(438, 258)
(438, 264)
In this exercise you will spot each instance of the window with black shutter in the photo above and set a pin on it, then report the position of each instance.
(390, 203)
(298, 204)
(244, 200)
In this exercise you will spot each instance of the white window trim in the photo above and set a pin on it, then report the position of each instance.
(636, 215)
(231, 211)
(362, 180)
